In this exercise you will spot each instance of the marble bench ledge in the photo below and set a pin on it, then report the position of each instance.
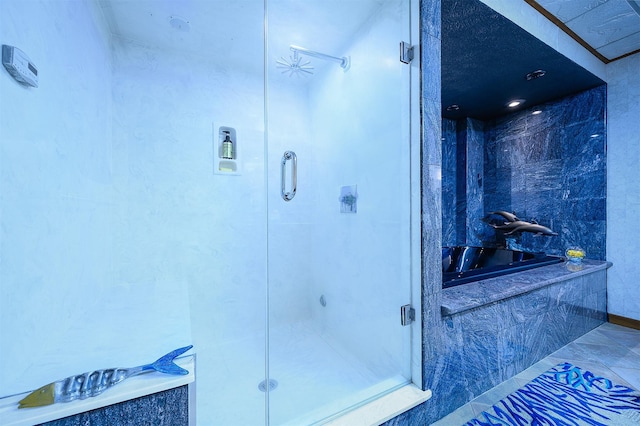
(135, 387)
(472, 295)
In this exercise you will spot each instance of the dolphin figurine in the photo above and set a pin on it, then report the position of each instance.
(533, 228)
(510, 226)
(95, 382)
(511, 217)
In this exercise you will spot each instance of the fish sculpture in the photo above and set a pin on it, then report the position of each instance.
(94, 383)
(511, 217)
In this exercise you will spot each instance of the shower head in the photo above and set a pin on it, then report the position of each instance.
(295, 65)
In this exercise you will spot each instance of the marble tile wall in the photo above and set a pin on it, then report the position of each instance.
(475, 181)
(167, 408)
(550, 167)
(508, 344)
(492, 343)
(449, 180)
(481, 347)
(462, 182)
(431, 165)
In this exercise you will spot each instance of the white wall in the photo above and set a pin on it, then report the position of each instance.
(66, 306)
(623, 186)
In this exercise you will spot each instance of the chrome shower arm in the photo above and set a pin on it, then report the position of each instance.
(344, 62)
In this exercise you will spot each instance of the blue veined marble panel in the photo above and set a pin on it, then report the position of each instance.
(584, 147)
(509, 124)
(542, 175)
(431, 147)
(167, 408)
(430, 15)
(557, 161)
(535, 341)
(449, 199)
(551, 117)
(431, 112)
(586, 210)
(585, 107)
(498, 185)
(585, 185)
(505, 152)
(537, 146)
(475, 177)
(500, 339)
(461, 182)
(546, 167)
(590, 235)
(544, 205)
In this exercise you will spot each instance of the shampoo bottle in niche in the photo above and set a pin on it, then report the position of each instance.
(227, 147)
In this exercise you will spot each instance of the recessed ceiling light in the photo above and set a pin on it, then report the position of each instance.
(536, 112)
(514, 103)
(453, 107)
(535, 74)
(595, 135)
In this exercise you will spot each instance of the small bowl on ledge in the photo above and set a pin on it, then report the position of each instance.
(575, 255)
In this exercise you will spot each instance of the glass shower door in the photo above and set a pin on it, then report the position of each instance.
(338, 178)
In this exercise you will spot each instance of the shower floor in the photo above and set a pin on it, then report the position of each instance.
(315, 380)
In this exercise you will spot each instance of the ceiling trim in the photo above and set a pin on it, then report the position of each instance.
(563, 27)
(625, 55)
(573, 35)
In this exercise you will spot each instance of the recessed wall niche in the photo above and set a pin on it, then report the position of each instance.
(549, 167)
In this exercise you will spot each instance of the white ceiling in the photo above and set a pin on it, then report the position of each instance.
(232, 30)
(609, 27)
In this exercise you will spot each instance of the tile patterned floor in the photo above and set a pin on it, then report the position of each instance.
(611, 351)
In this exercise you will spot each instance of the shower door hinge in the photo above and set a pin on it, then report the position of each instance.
(406, 52)
(407, 315)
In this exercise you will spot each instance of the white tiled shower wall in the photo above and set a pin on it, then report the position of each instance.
(367, 149)
(118, 243)
(182, 223)
(62, 312)
(213, 228)
(112, 217)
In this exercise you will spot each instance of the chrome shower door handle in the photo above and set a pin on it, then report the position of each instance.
(289, 155)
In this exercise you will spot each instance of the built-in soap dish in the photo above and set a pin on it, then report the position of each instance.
(226, 153)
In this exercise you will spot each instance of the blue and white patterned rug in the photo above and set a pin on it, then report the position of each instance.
(565, 395)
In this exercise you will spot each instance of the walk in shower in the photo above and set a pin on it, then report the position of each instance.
(258, 171)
